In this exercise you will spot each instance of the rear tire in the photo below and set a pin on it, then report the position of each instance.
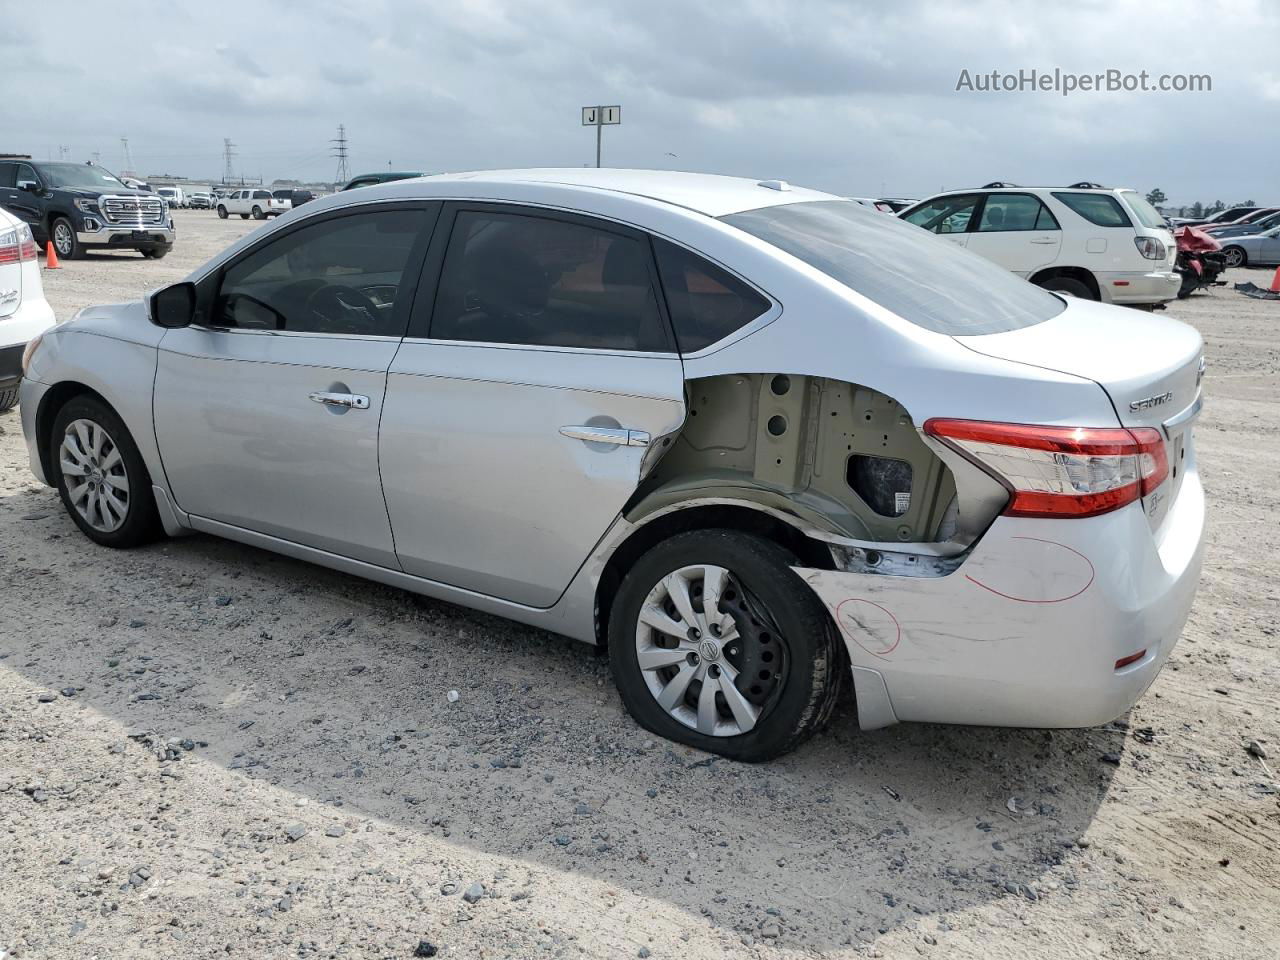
(258, 214)
(8, 399)
(100, 476)
(244, 216)
(1069, 286)
(773, 684)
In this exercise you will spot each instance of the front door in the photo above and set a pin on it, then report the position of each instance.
(267, 413)
(521, 410)
(950, 216)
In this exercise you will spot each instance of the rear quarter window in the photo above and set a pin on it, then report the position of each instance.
(1100, 209)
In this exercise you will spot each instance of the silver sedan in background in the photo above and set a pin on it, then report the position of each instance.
(758, 440)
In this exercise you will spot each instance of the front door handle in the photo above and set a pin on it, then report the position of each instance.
(619, 435)
(353, 400)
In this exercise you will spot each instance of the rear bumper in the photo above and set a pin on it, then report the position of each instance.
(1157, 286)
(32, 318)
(1027, 631)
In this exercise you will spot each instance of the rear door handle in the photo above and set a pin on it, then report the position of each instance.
(619, 435)
(353, 400)
(1044, 240)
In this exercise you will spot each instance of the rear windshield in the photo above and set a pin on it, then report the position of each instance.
(1147, 215)
(929, 281)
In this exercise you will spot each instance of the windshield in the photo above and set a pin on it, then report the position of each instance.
(929, 281)
(1147, 215)
(78, 175)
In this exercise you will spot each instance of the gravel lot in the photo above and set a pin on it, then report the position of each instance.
(206, 750)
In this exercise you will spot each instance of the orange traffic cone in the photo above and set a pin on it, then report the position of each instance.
(50, 257)
(1275, 282)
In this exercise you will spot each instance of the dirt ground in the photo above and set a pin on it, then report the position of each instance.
(211, 751)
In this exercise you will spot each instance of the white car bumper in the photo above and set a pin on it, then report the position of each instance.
(32, 318)
(1157, 286)
(1028, 630)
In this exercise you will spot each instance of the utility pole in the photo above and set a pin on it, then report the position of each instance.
(97, 158)
(340, 151)
(228, 155)
(600, 117)
(128, 158)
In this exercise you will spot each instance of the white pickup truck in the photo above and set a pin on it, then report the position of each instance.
(252, 202)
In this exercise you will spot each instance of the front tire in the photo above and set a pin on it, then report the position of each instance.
(1235, 256)
(156, 253)
(103, 483)
(244, 216)
(222, 212)
(715, 642)
(63, 235)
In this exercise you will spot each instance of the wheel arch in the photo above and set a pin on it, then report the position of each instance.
(1082, 274)
(739, 517)
(55, 398)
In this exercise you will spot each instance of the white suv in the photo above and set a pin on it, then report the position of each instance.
(1089, 241)
(254, 202)
(24, 312)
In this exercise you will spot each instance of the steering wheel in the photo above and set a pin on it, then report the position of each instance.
(346, 308)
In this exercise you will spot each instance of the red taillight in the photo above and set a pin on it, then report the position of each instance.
(1061, 471)
(17, 245)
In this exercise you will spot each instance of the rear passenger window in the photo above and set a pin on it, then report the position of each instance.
(1015, 211)
(513, 278)
(1099, 209)
(706, 303)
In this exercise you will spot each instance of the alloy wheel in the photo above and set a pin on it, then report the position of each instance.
(62, 238)
(708, 651)
(1234, 256)
(95, 475)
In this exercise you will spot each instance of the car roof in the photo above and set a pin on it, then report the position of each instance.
(705, 193)
(1024, 189)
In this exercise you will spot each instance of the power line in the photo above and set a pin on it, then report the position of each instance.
(340, 151)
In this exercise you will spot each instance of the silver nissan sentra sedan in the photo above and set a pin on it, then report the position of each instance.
(758, 440)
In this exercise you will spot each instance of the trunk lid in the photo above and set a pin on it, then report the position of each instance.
(1150, 367)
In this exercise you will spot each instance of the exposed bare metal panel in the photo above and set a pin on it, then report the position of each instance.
(807, 446)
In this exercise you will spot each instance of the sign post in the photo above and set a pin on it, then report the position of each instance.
(599, 117)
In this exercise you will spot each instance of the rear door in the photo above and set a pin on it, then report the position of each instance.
(522, 407)
(266, 413)
(1016, 231)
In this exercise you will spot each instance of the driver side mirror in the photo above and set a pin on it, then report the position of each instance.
(31, 186)
(174, 306)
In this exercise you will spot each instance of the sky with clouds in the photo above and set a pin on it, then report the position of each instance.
(856, 98)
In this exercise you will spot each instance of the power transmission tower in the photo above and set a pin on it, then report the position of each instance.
(128, 158)
(228, 155)
(97, 158)
(340, 151)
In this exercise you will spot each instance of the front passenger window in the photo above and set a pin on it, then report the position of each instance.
(945, 214)
(339, 276)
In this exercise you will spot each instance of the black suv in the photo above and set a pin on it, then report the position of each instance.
(81, 207)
